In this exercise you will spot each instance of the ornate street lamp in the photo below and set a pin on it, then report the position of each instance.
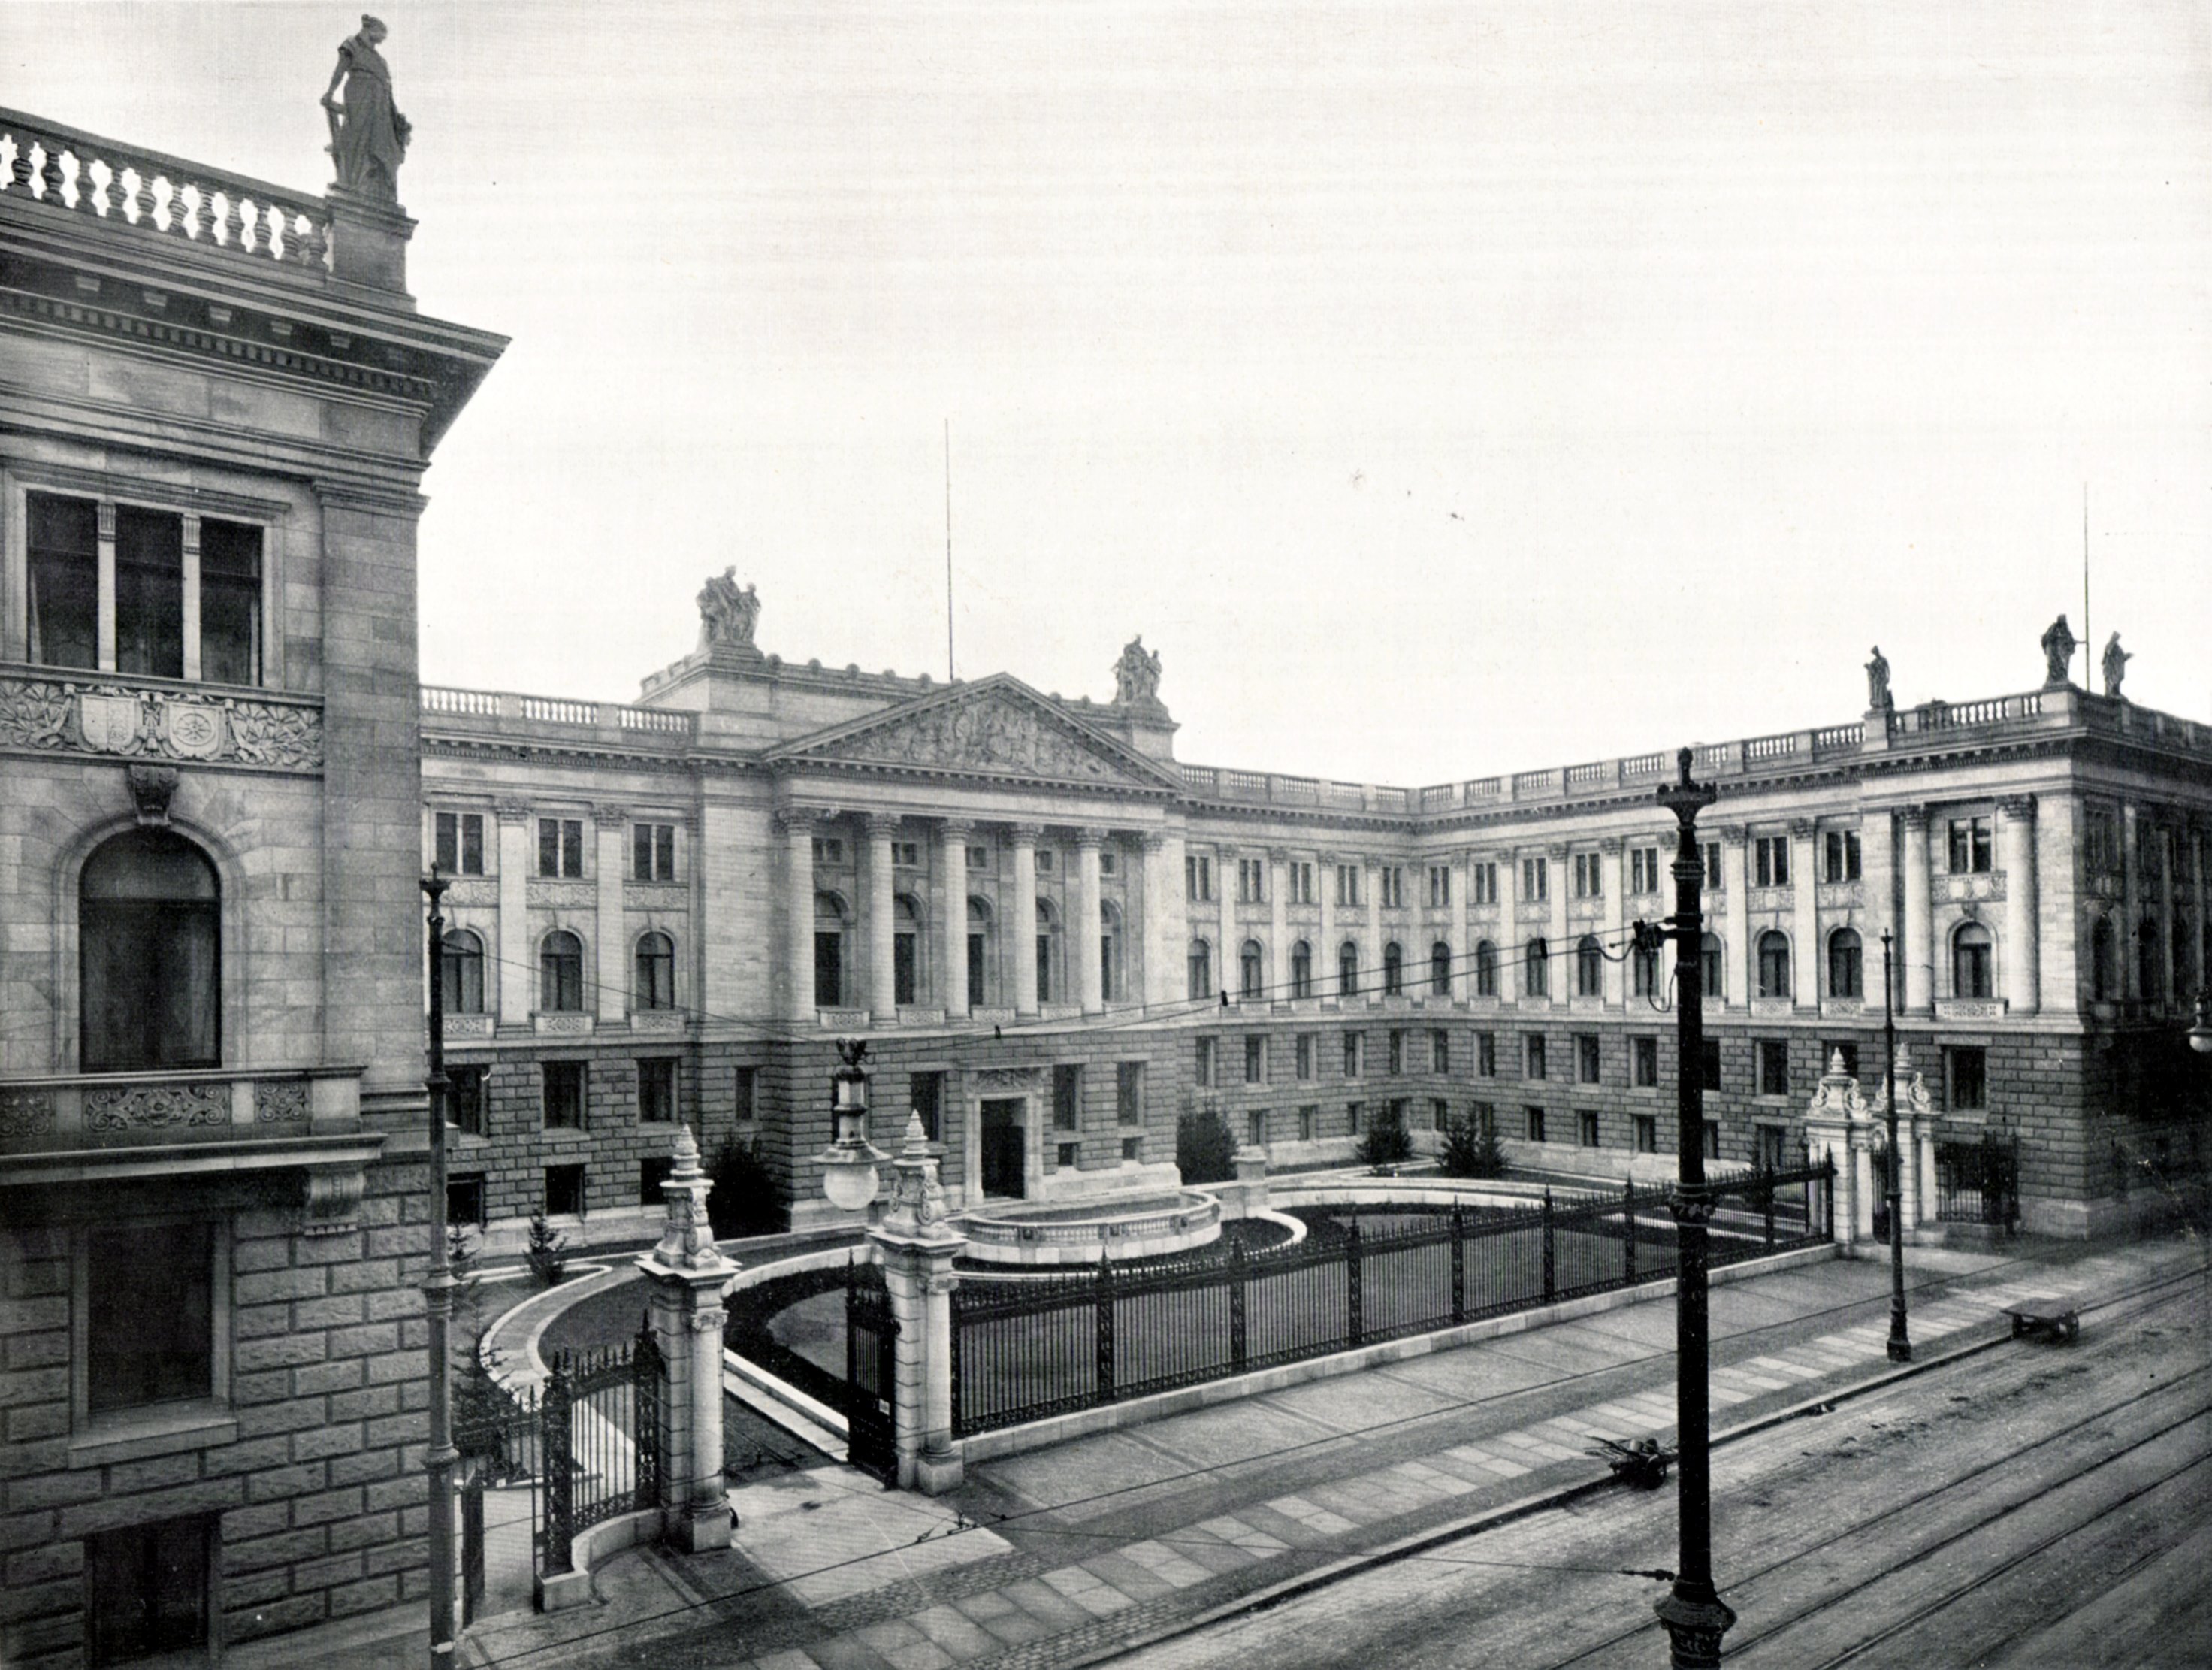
(849, 1162)
(2200, 1035)
(1900, 1342)
(1693, 1613)
(438, 1299)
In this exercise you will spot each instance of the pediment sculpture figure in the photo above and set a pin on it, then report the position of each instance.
(2116, 664)
(369, 136)
(1137, 675)
(2058, 647)
(990, 734)
(1877, 672)
(727, 615)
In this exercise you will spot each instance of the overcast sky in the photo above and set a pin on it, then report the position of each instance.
(1439, 390)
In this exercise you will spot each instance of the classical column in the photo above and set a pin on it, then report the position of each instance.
(1738, 967)
(1561, 974)
(1804, 917)
(517, 957)
(611, 935)
(192, 597)
(915, 1247)
(1279, 927)
(1159, 919)
(1228, 962)
(1025, 927)
(2162, 845)
(1916, 946)
(1509, 927)
(1324, 957)
(105, 532)
(952, 915)
(2198, 980)
(2131, 885)
(882, 910)
(684, 1276)
(799, 913)
(1089, 925)
(1370, 955)
(1615, 864)
(2022, 960)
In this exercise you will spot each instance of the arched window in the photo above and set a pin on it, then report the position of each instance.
(1643, 971)
(1536, 970)
(1774, 964)
(1440, 969)
(1590, 968)
(1486, 969)
(149, 955)
(1047, 953)
(828, 951)
(1201, 969)
(653, 981)
(1251, 979)
(906, 950)
(1302, 970)
(1970, 961)
(1110, 952)
(1394, 969)
(561, 972)
(1711, 967)
(460, 971)
(1846, 959)
(2104, 962)
(1347, 968)
(982, 981)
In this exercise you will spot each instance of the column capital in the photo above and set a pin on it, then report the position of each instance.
(881, 826)
(956, 829)
(799, 820)
(510, 811)
(1088, 839)
(1152, 840)
(1025, 834)
(2021, 809)
(1913, 817)
(610, 817)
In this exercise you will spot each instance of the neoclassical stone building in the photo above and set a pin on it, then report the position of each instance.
(1055, 937)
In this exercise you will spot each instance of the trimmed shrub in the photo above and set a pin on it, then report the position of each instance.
(1205, 1150)
(746, 1200)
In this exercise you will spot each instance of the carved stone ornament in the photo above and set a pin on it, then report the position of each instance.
(195, 730)
(687, 1240)
(26, 1112)
(727, 615)
(156, 1106)
(330, 1200)
(152, 788)
(110, 719)
(279, 1101)
(991, 733)
(915, 1210)
(989, 1079)
(369, 136)
(1137, 675)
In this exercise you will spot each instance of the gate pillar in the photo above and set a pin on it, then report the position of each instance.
(685, 1274)
(1835, 1129)
(916, 1246)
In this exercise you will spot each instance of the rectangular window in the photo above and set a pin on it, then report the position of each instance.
(1352, 1111)
(561, 848)
(1841, 849)
(906, 855)
(1439, 1112)
(464, 1201)
(1586, 1127)
(1647, 1133)
(1846, 1050)
(1202, 1067)
(2102, 839)
(1773, 1067)
(1643, 869)
(1133, 1151)
(149, 1321)
(1393, 880)
(1439, 886)
(1772, 1138)
(230, 603)
(1197, 876)
(564, 1192)
(1255, 1127)
(1533, 1063)
(1347, 885)
(1068, 1096)
(563, 1093)
(1129, 1092)
(1590, 875)
(1965, 1079)
(1482, 878)
(1970, 846)
(1712, 866)
(656, 1091)
(1067, 1156)
(1044, 861)
(1256, 1059)
(1252, 880)
(1305, 1055)
(1709, 1064)
(1532, 1123)
(149, 593)
(1772, 854)
(1586, 1059)
(459, 846)
(1535, 881)
(1712, 1139)
(926, 1095)
(979, 857)
(1485, 1055)
(1308, 1117)
(64, 549)
(146, 1589)
(1397, 1053)
(829, 849)
(653, 851)
(652, 1171)
(1300, 874)
(1351, 1055)
(465, 1100)
(1439, 1050)
(1644, 1058)
(745, 1084)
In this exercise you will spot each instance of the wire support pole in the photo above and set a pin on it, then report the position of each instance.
(437, 1299)
(1692, 1613)
(1900, 1341)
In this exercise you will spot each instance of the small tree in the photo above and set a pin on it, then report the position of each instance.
(1386, 1142)
(747, 1199)
(549, 1252)
(461, 1259)
(1205, 1150)
(1471, 1148)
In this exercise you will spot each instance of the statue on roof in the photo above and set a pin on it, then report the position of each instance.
(1877, 671)
(2059, 646)
(369, 136)
(2116, 664)
(727, 615)
(1137, 675)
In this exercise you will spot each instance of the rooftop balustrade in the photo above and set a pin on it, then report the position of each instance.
(504, 712)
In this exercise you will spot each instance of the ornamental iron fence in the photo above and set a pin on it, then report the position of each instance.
(1978, 1181)
(599, 1426)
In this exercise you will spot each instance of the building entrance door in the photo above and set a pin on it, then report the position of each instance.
(1002, 1147)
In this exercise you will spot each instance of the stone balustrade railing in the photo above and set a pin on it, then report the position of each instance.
(507, 711)
(130, 187)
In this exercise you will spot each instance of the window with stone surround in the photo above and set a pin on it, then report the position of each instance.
(1589, 967)
(652, 852)
(1255, 1127)
(153, 1296)
(1773, 1067)
(1440, 962)
(1965, 1078)
(830, 923)
(1590, 875)
(1394, 970)
(1251, 882)
(656, 1091)
(1256, 1058)
(1482, 882)
(1439, 1050)
(1643, 1063)
(465, 1100)
(1485, 1055)
(1970, 961)
(1535, 881)
(1301, 970)
(1712, 965)
(1198, 877)
(1771, 861)
(1712, 1138)
(1970, 846)
(461, 972)
(1347, 887)
(1532, 1123)
(1353, 1111)
(1308, 1118)
(1397, 1049)
(147, 1590)
(1251, 973)
(564, 1192)
(745, 1084)
(465, 1205)
(652, 1171)
(1534, 1064)
(653, 985)
(1643, 869)
(457, 843)
(1588, 1059)
(1305, 1055)
(561, 972)
(1647, 1133)
(1586, 1132)
(1391, 880)
(1299, 875)
(1846, 956)
(149, 965)
(1129, 1092)
(1841, 849)
(1774, 964)
(1347, 968)
(1536, 969)
(1773, 1142)
(1202, 1064)
(926, 1096)
(1068, 1096)
(561, 1092)
(1200, 969)
(561, 849)
(1486, 969)
(1439, 886)
(1712, 856)
(1351, 1055)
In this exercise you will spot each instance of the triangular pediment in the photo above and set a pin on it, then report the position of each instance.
(997, 728)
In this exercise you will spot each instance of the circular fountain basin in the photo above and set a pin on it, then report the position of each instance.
(1040, 1235)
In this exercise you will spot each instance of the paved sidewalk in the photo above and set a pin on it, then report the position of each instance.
(1064, 1556)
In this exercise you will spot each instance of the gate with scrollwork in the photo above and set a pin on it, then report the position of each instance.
(870, 1369)
(598, 1423)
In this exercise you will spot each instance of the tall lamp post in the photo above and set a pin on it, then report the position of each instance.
(1900, 1342)
(1693, 1613)
(438, 1297)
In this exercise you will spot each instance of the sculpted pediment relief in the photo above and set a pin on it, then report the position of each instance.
(1002, 731)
